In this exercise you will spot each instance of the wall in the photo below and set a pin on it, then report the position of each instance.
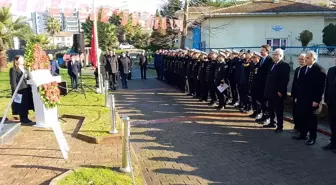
(328, 21)
(253, 31)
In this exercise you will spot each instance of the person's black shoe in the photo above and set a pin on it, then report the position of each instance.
(26, 121)
(269, 126)
(329, 146)
(220, 108)
(311, 141)
(253, 115)
(261, 119)
(299, 137)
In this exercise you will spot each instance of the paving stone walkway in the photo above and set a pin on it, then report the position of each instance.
(34, 156)
(179, 140)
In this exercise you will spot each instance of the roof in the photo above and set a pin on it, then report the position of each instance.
(267, 6)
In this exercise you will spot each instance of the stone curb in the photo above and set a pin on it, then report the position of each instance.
(319, 129)
(91, 139)
(57, 179)
(138, 164)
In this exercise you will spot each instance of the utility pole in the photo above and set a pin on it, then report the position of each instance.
(185, 28)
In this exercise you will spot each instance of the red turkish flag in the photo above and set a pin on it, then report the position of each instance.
(93, 53)
(54, 11)
(150, 22)
(135, 19)
(164, 23)
(156, 23)
(71, 3)
(83, 12)
(68, 12)
(116, 12)
(56, 3)
(124, 18)
(105, 15)
(39, 6)
(4, 3)
(92, 13)
(21, 5)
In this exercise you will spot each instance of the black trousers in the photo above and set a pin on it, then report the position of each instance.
(157, 72)
(74, 81)
(221, 98)
(276, 108)
(262, 104)
(204, 90)
(197, 88)
(294, 114)
(112, 80)
(129, 75)
(143, 72)
(234, 92)
(306, 119)
(243, 95)
(124, 80)
(332, 121)
(213, 89)
(254, 104)
(190, 86)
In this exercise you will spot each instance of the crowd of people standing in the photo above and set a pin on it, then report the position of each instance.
(113, 67)
(256, 83)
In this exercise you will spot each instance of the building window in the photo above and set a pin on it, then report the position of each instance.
(277, 43)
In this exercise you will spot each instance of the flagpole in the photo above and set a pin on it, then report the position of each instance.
(96, 45)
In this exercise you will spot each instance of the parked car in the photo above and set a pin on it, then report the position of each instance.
(126, 46)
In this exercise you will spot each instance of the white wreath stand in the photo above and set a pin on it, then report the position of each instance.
(45, 117)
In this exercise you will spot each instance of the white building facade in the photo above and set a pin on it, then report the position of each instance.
(252, 24)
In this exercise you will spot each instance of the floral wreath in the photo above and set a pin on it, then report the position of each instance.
(37, 59)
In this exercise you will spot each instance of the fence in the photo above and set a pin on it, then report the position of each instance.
(326, 56)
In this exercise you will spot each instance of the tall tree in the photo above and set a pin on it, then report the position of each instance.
(53, 27)
(9, 28)
(169, 8)
(329, 36)
(134, 35)
(106, 33)
(185, 28)
(305, 37)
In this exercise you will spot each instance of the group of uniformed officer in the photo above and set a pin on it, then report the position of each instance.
(224, 76)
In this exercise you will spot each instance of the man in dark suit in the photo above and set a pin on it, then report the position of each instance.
(260, 80)
(330, 100)
(253, 88)
(129, 76)
(124, 69)
(276, 89)
(74, 68)
(308, 98)
(295, 85)
(143, 64)
(112, 68)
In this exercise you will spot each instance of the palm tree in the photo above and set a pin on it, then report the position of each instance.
(53, 27)
(10, 28)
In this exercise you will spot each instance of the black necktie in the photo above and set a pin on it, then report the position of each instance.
(307, 70)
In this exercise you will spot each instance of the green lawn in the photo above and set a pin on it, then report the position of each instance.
(98, 176)
(97, 116)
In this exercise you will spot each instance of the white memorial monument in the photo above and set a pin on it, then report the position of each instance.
(45, 117)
